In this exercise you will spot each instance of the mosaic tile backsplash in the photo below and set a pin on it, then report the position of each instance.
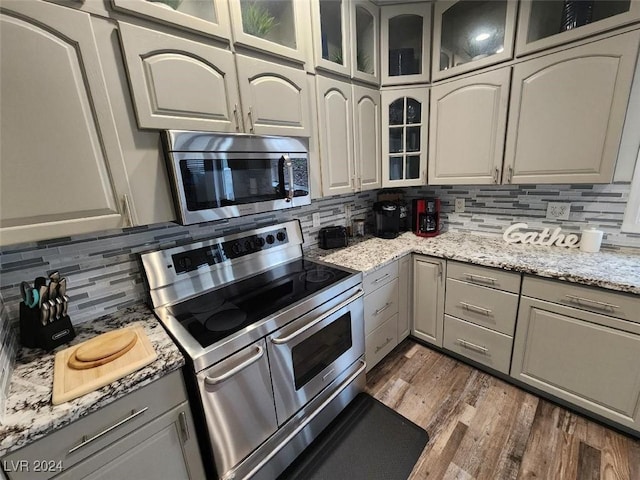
(104, 273)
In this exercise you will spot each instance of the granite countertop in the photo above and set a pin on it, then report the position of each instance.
(613, 270)
(29, 414)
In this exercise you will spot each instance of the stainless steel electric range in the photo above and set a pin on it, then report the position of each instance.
(274, 342)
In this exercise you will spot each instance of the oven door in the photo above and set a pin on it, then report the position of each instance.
(309, 353)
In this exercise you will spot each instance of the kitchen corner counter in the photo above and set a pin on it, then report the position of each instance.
(613, 270)
(29, 414)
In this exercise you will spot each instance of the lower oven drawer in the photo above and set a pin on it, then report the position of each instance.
(237, 400)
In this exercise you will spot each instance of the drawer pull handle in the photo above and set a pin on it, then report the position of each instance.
(384, 344)
(259, 352)
(378, 280)
(382, 309)
(87, 440)
(328, 374)
(480, 278)
(473, 346)
(597, 304)
(469, 306)
(184, 426)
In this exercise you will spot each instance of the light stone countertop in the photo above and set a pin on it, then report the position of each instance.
(613, 270)
(29, 414)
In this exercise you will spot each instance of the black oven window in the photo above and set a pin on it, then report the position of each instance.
(321, 349)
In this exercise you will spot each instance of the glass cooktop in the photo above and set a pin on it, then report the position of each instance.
(215, 315)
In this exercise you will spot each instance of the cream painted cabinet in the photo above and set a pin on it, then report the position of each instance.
(428, 299)
(405, 113)
(366, 122)
(180, 84)
(275, 98)
(62, 171)
(567, 111)
(331, 33)
(467, 126)
(405, 296)
(365, 20)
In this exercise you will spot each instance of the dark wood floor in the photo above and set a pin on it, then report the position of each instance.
(484, 428)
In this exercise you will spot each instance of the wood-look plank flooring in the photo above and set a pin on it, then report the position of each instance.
(481, 427)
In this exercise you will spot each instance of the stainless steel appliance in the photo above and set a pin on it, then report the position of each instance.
(216, 176)
(274, 342)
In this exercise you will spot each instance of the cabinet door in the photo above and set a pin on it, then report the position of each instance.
(275, 27)
(554, 22)
(180, 84)
(404, 136)
(166, 447)
(366, 119)
(405, 296)
(335, 126)
(405, 43)
(365, 18)
(62, 171)
(428, 299)
(599, 358)
(467, 125)
(567, 113)
(202, 16)
(470, 34)
(331, 45)
(275, 98)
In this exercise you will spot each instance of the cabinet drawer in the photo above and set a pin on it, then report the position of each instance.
(105, 426)
(485, 346)
(481, 305)
(381, 341)
(380, 305)
(379, 277)
(619, 305)
(487, 277)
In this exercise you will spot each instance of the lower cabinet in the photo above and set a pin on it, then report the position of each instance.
(428, 293)
(147, 434)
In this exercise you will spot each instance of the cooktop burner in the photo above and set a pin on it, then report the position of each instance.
(213, 316)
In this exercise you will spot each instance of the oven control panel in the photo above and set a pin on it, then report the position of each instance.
(222, 251)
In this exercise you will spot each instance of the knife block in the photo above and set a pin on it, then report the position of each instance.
(34, 334)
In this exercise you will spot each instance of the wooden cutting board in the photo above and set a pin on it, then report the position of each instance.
(70, 383)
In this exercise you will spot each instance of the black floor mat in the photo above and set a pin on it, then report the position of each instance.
(367, 441)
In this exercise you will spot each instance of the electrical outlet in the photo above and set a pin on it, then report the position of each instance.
(316, 219)
(459, 206)
(558, 210)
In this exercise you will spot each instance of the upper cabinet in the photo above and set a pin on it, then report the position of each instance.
(366, 122)
(470, 34)
(405, 113)
(567, 112)
(365, 18)
(203, 16)
(331, 44)
(544, 24)
(405, 43)
(276, 27)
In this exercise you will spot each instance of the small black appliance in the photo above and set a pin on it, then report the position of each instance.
(332, 237)
(387, 219)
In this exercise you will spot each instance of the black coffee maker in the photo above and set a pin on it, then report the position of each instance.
(387, 219)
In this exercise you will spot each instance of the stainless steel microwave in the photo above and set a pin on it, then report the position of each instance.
(215, 176)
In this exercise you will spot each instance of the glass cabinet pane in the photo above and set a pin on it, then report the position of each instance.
(331, 30)
(405, 138)
(413, 166)
(414, 111)
(413, 139)
(203, 10)
(396, 142)
(395, 168)
(405, 45)
(396, 112)
(472, 30)
(272, 20)
(550, 17)
(365, 42)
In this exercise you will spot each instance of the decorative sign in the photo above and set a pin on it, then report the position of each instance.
(545, 237)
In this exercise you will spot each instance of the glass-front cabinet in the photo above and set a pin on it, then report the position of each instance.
(203, 16)
(331, 35)
(404, 136)
(547, 23)
(405, 43)
(276, 27)
(470, 34)
(365, 18)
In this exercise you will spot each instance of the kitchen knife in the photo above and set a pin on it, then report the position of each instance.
(62, 287)
(44, 313)
(54, 276)
(53, 306)
(44, 294)
(65, 305)
(53, 290)
(59, 308)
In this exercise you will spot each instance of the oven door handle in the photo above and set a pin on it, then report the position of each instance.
(300, 331)
(216, 380)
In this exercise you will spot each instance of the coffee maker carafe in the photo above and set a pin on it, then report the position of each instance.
(426, 217)
(387, 219)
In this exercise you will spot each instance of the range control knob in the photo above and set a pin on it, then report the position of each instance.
(249, 245)
(235, 248)
(260, 241)
(281, 236)
(185, 263)
(270, 239)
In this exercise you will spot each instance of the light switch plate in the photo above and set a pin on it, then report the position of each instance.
(558, 210)
(316, 219)
(459, 206)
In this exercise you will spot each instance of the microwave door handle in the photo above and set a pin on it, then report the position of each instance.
(289, 165)
(281, 184)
